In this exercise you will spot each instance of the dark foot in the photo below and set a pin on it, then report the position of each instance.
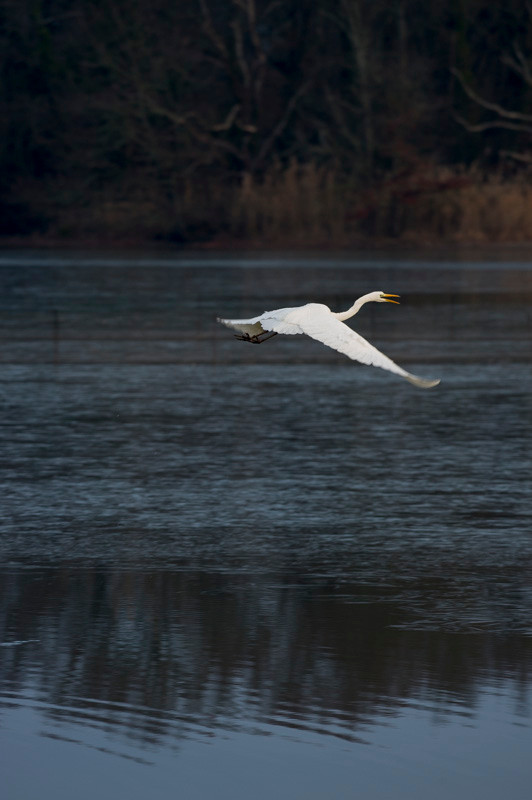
(259, 338)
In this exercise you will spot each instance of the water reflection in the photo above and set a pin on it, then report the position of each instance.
(158, 656)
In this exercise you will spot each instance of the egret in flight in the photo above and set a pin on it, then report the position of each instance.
(319, 322)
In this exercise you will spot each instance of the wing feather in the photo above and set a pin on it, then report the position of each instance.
(251, 326)
(269, 321)
(320, 324)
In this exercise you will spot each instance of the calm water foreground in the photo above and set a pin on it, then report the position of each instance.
(253, 572)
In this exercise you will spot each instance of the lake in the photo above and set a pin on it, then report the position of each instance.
(252, 572)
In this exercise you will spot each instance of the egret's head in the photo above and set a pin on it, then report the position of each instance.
(387, 298)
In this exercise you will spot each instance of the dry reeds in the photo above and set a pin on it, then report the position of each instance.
(315, 205)
(305, 203)
(495, 210)
(462, 206)
(309, 205)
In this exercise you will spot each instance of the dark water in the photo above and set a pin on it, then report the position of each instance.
(232, 571)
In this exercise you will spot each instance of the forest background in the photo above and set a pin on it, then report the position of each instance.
(283, 123)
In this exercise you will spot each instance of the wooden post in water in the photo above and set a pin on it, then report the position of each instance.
(55, 334)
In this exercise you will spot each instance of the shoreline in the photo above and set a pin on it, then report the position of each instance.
(230, 244)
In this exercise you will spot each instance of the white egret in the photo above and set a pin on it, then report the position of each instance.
(319, 322)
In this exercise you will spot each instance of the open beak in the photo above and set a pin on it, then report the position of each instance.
(388, 296)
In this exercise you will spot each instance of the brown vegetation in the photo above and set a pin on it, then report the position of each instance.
(309, 206)
(318, 207)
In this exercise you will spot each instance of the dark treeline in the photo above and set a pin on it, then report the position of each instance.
(328, 119)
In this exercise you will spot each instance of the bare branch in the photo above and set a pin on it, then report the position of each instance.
(239, 51)
(525, 158)
(195, 127)
(246, 128)
(519, 64)
(282, 122)
(210, 30)
(231, 120)
(337, 108)
(502, 112)
(228, 121)
(484, 126)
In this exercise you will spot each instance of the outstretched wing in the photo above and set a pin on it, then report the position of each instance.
(319, 323)
(269, 321)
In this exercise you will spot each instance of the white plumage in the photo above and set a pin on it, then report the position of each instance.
(319, 322)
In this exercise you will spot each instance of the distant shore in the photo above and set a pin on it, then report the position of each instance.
(286, 245)
(293, 210)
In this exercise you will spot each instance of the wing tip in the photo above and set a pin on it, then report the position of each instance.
(423, 383)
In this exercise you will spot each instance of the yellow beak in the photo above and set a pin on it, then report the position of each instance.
(387, 298)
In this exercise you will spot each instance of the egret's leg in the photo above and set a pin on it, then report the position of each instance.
(265, 338)
(259, 338)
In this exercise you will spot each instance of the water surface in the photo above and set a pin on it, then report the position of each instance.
(236, 571)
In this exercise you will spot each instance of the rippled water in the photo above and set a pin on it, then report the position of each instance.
(234, 571)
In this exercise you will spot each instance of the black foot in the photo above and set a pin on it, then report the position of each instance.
(259, 338)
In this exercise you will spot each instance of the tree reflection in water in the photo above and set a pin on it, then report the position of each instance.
(167, 655)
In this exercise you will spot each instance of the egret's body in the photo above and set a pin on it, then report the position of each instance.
(319, 322)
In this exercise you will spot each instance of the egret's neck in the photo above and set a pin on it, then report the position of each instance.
(355, 308)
